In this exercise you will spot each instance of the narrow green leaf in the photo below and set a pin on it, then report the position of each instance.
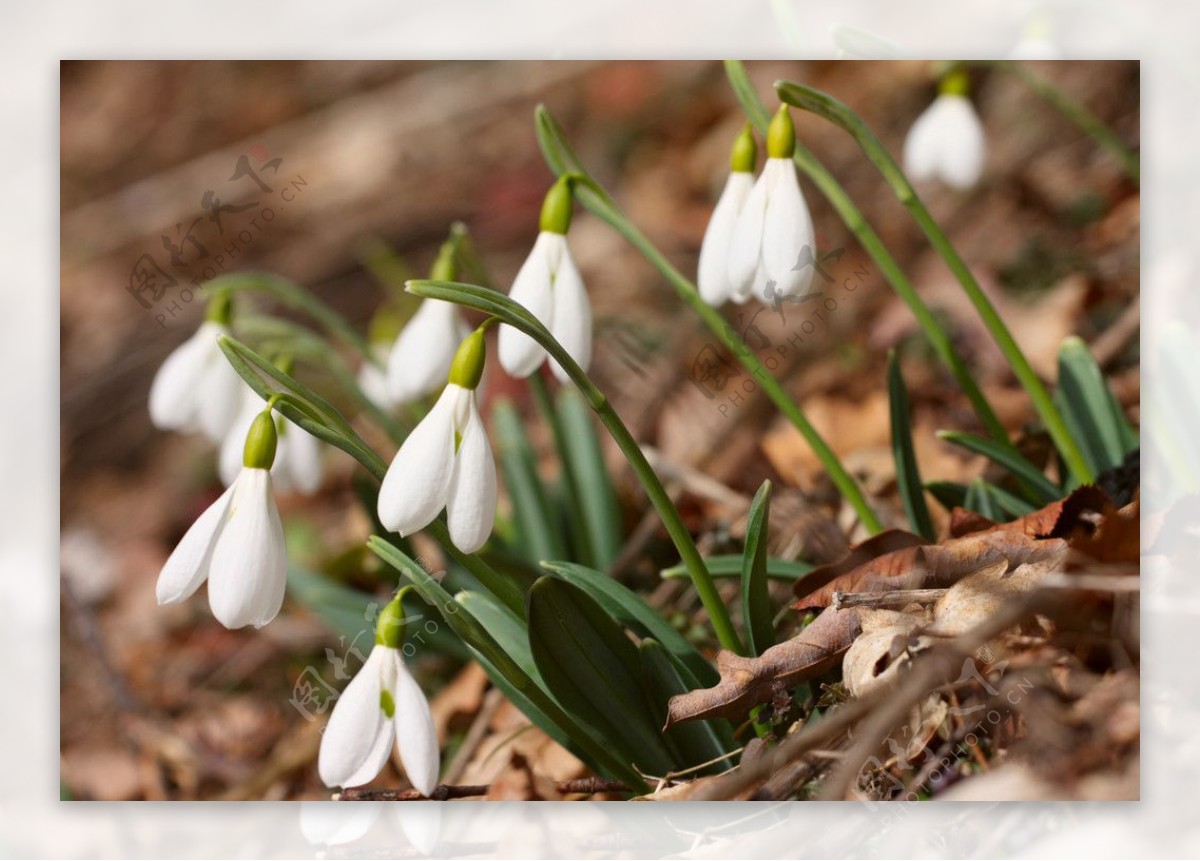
(730, 565)
(591, 667)
(537, 525)
(589, 479)
(908, 476)
(953, 495)
(757, 614)
(980, 500)
(628, 608)
(1032, 477)
(594, 746)
(1089, 408)
(692, 742)
(950, 494)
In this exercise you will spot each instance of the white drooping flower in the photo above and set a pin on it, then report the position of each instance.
(297, 455)
(446, 462)
(773, 249)
(947, 142)
(549, 286)
(712, 276)
(196, 389)
(237, 544)
(382, 706)
(421, 356)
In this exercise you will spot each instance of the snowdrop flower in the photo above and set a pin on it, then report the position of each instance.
(446, 462)
(382, 705)
(946, 142)
(421, 356)
(712, 276)
(196, 388)
(237, 544)
(549, 286)
(773, 237)
(297, 455)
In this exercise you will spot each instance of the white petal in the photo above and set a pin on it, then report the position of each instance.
(471, 508)
(173, 392)
(188, 564)
(248, 573)
(298, 459)
(373, 383)
(712, 275)
(416, 736)
(571, 315)
(219, 395)
(963, 147)
(421, 357)
(520, 355)
(946, 142)
(358, 738)
(789, 247)
(417, 483)
(745, 252)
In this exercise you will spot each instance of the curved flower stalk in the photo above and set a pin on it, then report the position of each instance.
(773, 247)
(382, 706)
(947, 142)
(446, 462)
(550, 287)
(195, 389)
(237, 544)
(712, 274)
(297, 455)
(421, 357)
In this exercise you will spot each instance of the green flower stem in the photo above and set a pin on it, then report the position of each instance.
(497, 305)
(306, 409)
(292, 295)
(829, 108)
(588, 192)
(825, 182)
(1088, 122)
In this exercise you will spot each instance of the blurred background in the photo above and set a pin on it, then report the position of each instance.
(173, 166)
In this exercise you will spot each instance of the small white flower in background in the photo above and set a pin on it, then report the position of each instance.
(446, 462)
(196, 389)
(421, 357)
(550, 287)
(236, 545)
(372, 379)
(381, 707)
(712, 277)
(297, 455)
(946, 142)
(1036, 42)
(773, 236)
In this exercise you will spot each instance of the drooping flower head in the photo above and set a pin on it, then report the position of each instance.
(446, 462)
(947, 142)
(773, 244)
(237, 544)
(382, 706)
(550, 287)
(712, 277)
(421, 356)
(196, 389)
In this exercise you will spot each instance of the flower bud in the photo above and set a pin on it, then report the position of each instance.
(745, 152)
(444, 268)
(557, 207)
(261, 440)
(781, 134)
(389, 627)
(467, 367)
